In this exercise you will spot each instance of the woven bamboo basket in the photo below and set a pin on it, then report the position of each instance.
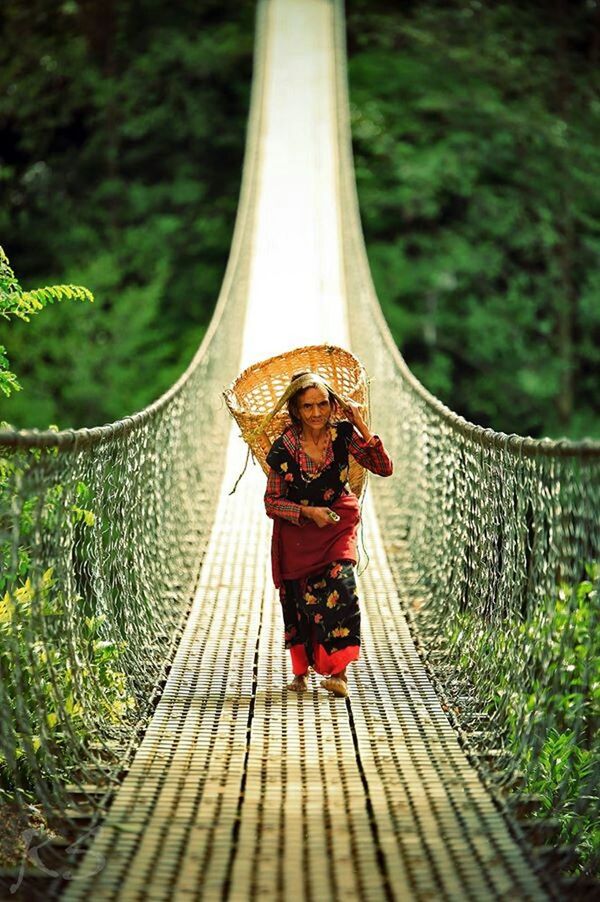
(257, 389)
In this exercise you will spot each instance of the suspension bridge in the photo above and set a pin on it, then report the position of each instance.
(142, 612)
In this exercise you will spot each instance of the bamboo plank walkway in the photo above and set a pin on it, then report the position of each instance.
(241, 789)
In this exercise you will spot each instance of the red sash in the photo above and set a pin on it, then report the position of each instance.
(299, 551)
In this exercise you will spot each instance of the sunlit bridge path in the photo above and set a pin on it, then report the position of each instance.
(237, 789)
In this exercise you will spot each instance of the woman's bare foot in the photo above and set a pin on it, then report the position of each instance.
(336, 684)
(299, 683)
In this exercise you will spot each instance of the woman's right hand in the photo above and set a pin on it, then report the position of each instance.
(320, 516)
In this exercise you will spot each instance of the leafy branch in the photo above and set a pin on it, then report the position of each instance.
(20, 304)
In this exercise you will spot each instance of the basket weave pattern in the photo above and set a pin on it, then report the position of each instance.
(258, 388)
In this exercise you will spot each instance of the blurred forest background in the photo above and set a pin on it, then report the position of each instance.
(475, 126)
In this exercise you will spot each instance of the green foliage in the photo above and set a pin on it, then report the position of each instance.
(121, 142)
(122, 145)
(477, 157)
(560, 774)
(14, 302)
(101, 362)
(545, 691)
(38, 672)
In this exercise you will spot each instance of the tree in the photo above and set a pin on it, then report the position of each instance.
(477, 159)
(121, 144)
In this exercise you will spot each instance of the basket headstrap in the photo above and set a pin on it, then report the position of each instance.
(308, 380)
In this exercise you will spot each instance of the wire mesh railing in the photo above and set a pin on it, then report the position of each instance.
(101, 539)
(495, 543)
(100, 547)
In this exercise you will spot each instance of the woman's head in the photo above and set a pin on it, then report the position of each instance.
(313, 404)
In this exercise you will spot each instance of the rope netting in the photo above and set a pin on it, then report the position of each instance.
(100, 544)
(494, 540)
(101, 538)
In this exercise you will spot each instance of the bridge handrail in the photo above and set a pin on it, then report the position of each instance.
(494, 544)
(522, 445)
(86, 436)
(102, 532)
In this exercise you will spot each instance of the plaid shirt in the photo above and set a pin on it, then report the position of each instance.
(370, 455)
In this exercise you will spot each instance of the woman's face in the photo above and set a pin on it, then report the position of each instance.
(314, 408)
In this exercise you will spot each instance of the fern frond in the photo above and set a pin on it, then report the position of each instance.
(6, 272)
(24, 304)
(35, 300)
(8, 381)
(10, 290)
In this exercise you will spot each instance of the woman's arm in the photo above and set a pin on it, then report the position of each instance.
(366, 448)
(276, 503)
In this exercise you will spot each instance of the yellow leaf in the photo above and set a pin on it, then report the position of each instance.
(6, 609)
(25, 593)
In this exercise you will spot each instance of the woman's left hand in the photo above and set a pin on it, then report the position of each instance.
(354, 415)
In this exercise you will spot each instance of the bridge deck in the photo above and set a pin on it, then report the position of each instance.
(240, 788)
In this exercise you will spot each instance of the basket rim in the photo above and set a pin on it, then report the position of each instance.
(315, 347)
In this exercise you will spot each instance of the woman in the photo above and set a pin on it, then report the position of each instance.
(316, 518)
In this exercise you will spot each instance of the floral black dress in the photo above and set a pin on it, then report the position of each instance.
(314, 568)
